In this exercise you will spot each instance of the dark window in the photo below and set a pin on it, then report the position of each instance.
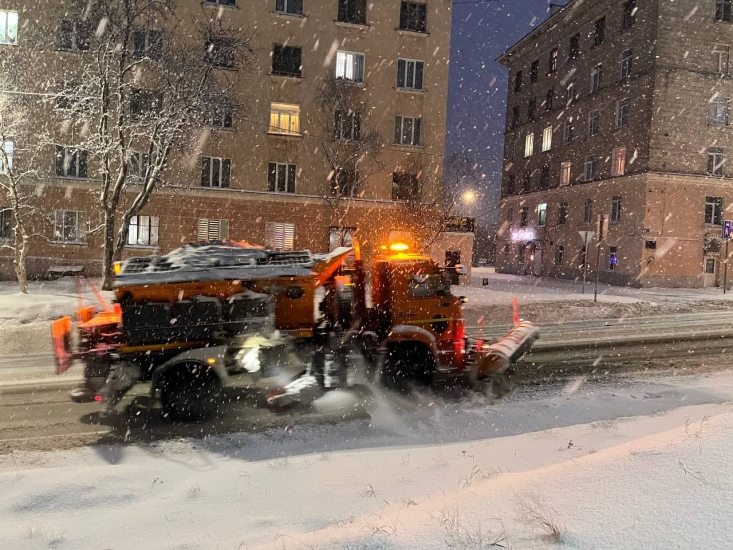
(404, 186)
(723, 11)
(627, 62)
(347, 125)
(71, 162)
(552, 66)
(221, 115)
(147, 43)
(534, 71)
(345, 183)
(510, 215)
(562, 217)
(719, 111)
(511, 184)
(594, 123)
(714, 210)
(281, 177)
(518, 82)
(220, 52)
(596, 78)
(352, 11)
(590, 167)
(410, 74)
(413, 16)
(407, 130)
(144, 102)
(74, 35)
(523, 216)
(574, 50)
(286, 60)
(515, 117)
(527, 182)
(545, 177)
(599, 33)
(623, 109)
(569, 132)
(222, 2)
(215, 172)
(292, 7)
(716, 161)
(588, 211)
(532, 110)
(559, 253)
(629, 17)
(139, 164)
(6, 224)
(616, 209)
(549, 99)
(650, 245)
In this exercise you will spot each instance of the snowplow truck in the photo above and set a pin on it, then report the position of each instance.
(191, 322)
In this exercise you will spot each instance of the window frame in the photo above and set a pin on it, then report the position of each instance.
(153, 231)
(218, 225)
(9, 154)
(623, 112)
(594, 123)
(224, 171)
(415, 131)
(629, 13)
(230, 3)
(559, 255)
(615, 216)
(528, 145)
(599, 31)
(80, 160)
(552, 63)
(534, 71)
(409, 181)
(6, 224)
(589, 168)
(6, 38)
(283, 61)
(357, 65)
(596, 78)
(547, 139)
(279, 236)
(281, 110)
(79, 220)
(588, 211)
(562, 216)
(403, 78)
(618, 161)
(290, 177)
(353, 12)
(569, 132)
(627, 63)
(713, 211)
(286, 3)
(153, 46)
(418, 19)
(542, 214)
(724, 11)
(565, 172)
(719, 111)
(715, 168)
(574, 47)
(612, 258)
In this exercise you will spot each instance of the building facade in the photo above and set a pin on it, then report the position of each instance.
(620, 108)
(260, 174)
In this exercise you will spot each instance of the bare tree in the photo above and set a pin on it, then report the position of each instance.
(428, 205)
(144, 88)
(353, 150)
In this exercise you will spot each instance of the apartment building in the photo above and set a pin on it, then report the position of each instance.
(620, 108)
(261, 174)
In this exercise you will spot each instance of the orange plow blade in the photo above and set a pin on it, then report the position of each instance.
(61, 335)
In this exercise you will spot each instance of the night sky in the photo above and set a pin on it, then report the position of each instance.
(482, 31)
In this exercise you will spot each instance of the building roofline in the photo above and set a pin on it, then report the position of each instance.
(534, 33)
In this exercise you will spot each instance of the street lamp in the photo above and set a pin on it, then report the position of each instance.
(469, 196)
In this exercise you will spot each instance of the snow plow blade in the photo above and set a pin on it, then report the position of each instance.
(61, 335)
(498, 357)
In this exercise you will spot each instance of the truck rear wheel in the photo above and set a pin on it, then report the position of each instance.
(190, 391)
(405, 363)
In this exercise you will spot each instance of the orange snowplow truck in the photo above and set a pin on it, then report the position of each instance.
(192, 321)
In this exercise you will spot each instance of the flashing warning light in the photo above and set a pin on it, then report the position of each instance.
(399, 247)
(98, 398)
(117, 266)
(211, 361)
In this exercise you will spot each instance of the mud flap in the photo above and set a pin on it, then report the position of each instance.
(61, 335)
(498, 357)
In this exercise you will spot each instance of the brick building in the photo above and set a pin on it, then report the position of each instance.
(620, 108)
(260, 174)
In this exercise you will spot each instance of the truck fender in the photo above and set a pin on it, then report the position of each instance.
(212, 357)
(409, 333)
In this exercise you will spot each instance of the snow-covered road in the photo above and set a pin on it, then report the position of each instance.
(634, 464)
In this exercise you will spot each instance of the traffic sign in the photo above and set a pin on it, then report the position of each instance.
(586, 237)
(727, 229)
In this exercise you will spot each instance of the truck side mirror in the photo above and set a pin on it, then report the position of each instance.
(461, 269)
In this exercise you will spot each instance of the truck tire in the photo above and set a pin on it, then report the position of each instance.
(190, 391)
(407, 363)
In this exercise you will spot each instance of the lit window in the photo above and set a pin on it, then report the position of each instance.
(8, 27)
(410, 74)
(284, 119)
(618, 166)
(612, 258)
(542, 214)
(143, 231)
(529, 145)
(552, 66)
(565, 173)
(350, 66)
(547, 139)
(8, 149)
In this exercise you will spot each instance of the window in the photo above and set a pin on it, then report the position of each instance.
(350, 66)
(215, 172)
(143, 231)
(8, 27)
(545, 177)
(138, 164)
(618, 161)
(596, 78)
(549, 98)
(719, 111)
(74, 35)
(515, 117)
(412, 16)
(623, 108)
(352, 11)
(71, 162)
(534, 71)
(7, 147)
(518, 82)
(69, 226)
(279, 236)
(343, 236)
(723, 11)
(547, 139)
(511, 184)
(347, 125)
(212, 230)
(286, 60)
(570, 95)
(599, 33)
(552, 65)
(627, 62)
(528, 145)
(542, 214)
(404, 186)
(569, 131)
(594, 123)
(588, 211)
(565, 173)
(629, 17)
(590, 168)
(284, 119)
(612, 258)
(523, 216)
(510, 215)
(527, 181)
(220, 52)
(221, 115)
(532, 110)
(559, 253)
(281, 177)
(291, 7)
(147, 43)
(6, 224)
(410, 74)
(144, 102)
(721, 56)
(715, 161)
(345, 183)
(616, 208)
(222, 2)
(407, 130)
(574, 49)
(650, 245)
(714, 210)
(562, 217)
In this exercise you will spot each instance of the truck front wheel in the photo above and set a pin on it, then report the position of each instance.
(190, 391)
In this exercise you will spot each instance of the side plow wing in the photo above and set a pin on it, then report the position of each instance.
(498, 357)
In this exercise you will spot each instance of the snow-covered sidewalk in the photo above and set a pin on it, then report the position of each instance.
(639, 465)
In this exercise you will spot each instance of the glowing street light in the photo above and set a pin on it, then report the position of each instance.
(469, 196)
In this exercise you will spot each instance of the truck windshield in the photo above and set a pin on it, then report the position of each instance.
(429, 285)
